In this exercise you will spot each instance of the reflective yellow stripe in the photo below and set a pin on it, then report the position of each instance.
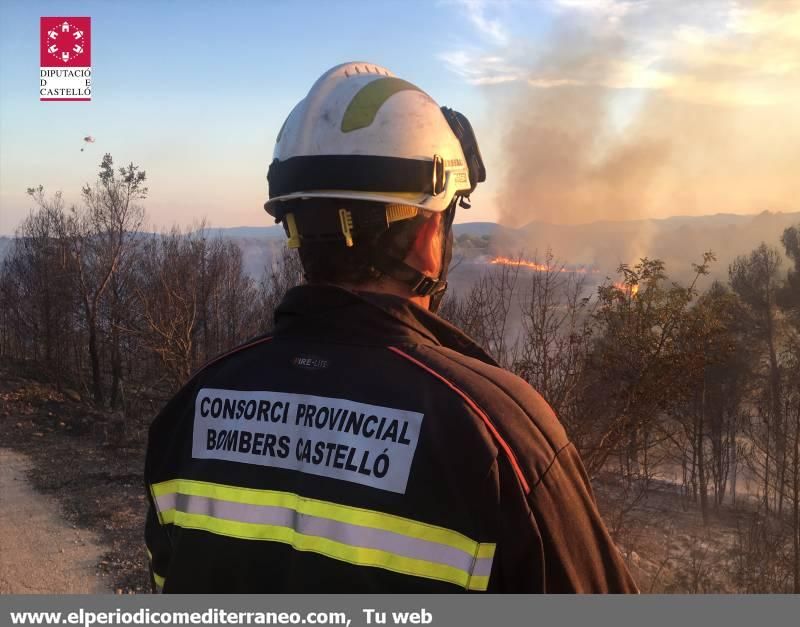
(159, 580)
(479, 583)
(323, 509)
(156, 577)
(355, 555)
(354, 535)
(485, 550)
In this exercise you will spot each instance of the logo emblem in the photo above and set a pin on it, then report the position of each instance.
(65, 58)
(68, 42)
(309, 362)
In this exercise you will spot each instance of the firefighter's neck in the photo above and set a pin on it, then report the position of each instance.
(425, 255)
(388, 285)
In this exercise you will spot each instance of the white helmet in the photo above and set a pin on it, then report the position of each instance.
(362, 133)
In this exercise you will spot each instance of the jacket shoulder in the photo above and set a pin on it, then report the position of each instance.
(251, 343)
(178, 400)
(528, 430)
(574, 549)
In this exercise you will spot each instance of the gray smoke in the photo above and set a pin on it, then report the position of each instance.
(714, 127)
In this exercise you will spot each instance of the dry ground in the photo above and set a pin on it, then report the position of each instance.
(91, 472)
(40, 552)
(666, 545)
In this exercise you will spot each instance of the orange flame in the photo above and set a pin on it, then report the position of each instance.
(633, 290)
(540, 267)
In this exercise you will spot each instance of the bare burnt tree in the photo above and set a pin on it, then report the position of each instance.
(227, 296)
(791, 521)
(283, 272)
(118, 308)
(85, 296)
(727, 372)
(756, 281)
(195, 299)
(789, 301)
(209, 270)
(36, 288)
(484, 311)
(8, 291)
(97, 236)
(235, 297)
(759, 554)
(168, 293)
(707, 407)
(789, 294)
(556, 332)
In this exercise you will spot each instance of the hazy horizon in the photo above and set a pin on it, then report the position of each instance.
(466, 222)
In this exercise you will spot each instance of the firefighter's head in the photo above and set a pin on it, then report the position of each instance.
(365, 178)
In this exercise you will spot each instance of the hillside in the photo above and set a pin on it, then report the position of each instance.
(678, 240)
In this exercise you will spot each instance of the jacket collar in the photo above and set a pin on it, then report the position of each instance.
(337, 314)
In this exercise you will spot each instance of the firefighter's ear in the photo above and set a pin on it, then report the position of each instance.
(426, 253)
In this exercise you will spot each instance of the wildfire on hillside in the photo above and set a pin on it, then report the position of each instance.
(540, 267)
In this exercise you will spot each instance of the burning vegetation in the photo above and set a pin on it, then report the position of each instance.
(630, 289)
(520, 262)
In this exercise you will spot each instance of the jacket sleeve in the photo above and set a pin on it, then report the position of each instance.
(158, 549)
(577, 550)
(157, 539)
(551, 537)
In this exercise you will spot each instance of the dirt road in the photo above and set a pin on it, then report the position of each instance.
(39, 552)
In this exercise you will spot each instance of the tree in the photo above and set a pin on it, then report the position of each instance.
(483, 313)
(167, 290)
(640, 368)
(789, 301)
(789, 293)
(283, 273)
(36, 288)
(98, 235)
(710, 408)
(756, 281)
(195, 301)
(555, 338)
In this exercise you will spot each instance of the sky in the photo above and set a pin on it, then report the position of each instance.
(195, 92)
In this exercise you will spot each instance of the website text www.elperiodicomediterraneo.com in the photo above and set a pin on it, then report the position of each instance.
(212, 616)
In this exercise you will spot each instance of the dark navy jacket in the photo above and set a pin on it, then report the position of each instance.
(366, 445)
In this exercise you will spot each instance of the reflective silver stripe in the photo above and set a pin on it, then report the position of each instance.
(482, 567)
(346, 533)
(165, 502)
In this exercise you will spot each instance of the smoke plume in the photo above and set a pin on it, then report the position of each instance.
(669, 109)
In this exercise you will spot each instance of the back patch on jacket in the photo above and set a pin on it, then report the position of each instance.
(330, 437)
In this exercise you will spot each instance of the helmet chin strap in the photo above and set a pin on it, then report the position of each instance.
(421, 284)
(447, 254)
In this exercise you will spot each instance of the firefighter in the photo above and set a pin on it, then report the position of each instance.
(365, 444)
